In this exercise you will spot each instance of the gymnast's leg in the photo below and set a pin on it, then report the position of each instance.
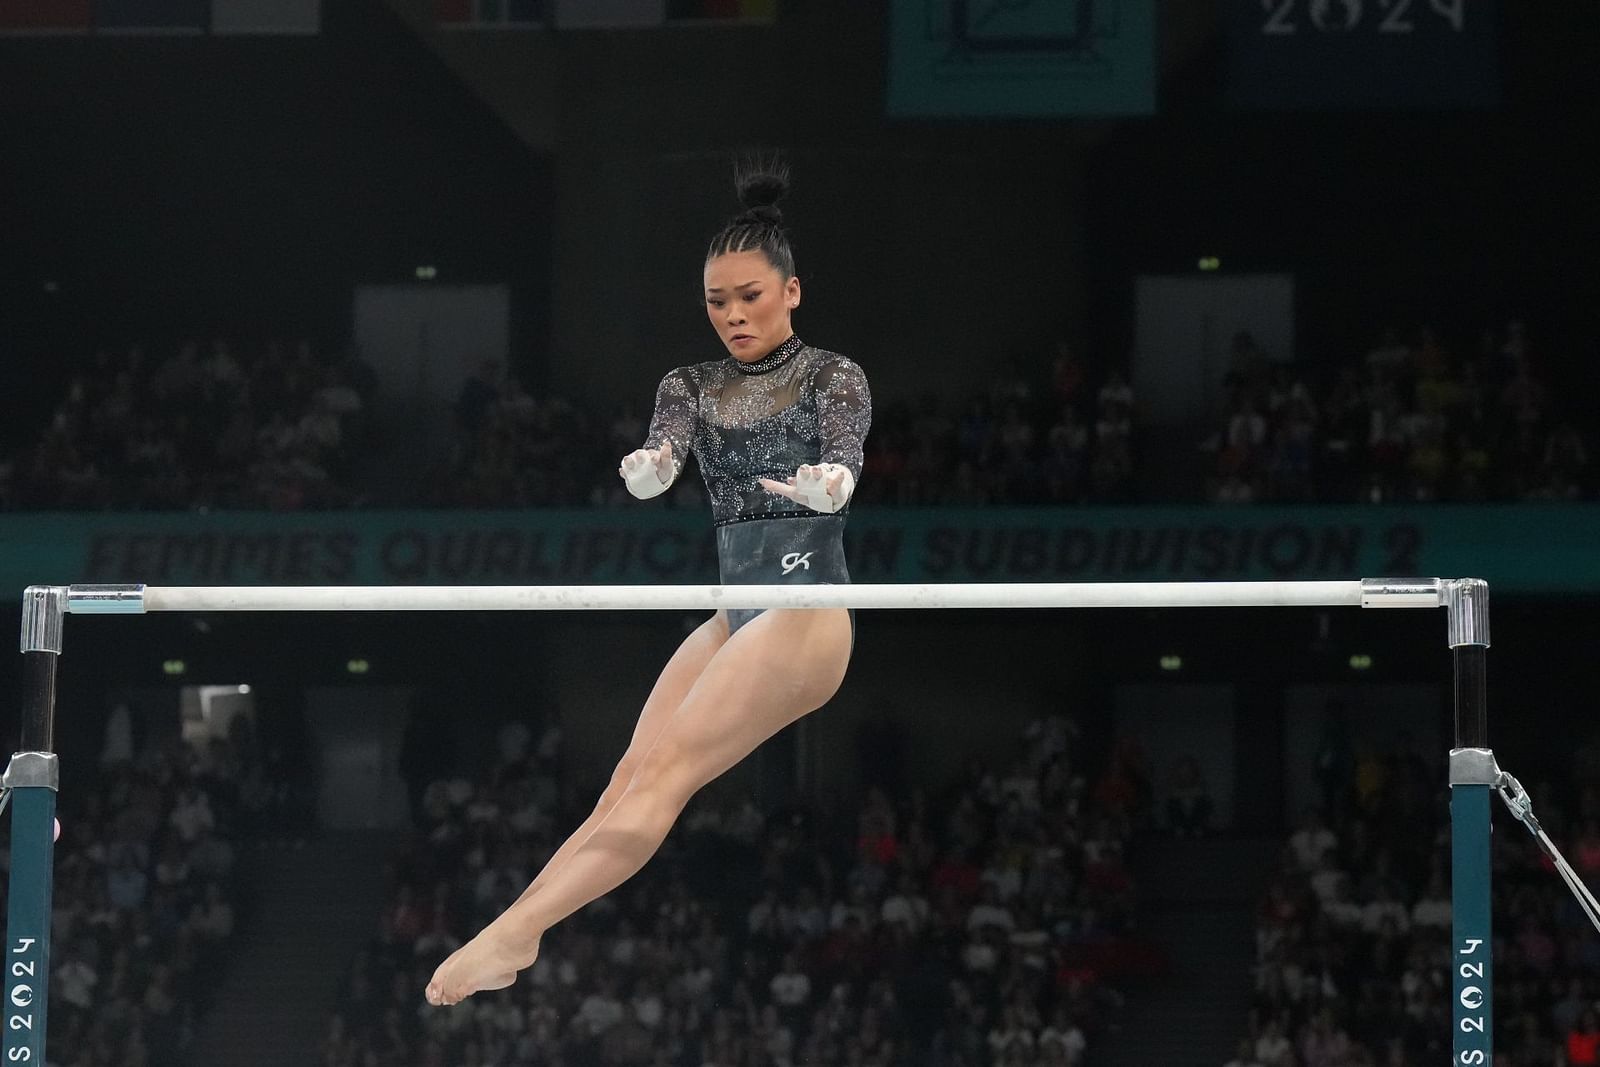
(777, 668)
(677, 678)
(674, 683)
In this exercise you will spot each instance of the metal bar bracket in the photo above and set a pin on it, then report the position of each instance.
(1473, 766)
(1466, 600)
(1401, 592)
(105, 599)
(33, 770)
(44, 612)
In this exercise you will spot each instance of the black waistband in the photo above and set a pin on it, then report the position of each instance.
(804, 549)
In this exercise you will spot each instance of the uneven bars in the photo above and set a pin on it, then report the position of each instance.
(1369, 592)
(33, 775)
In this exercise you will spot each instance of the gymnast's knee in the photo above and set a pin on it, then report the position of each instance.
(617, 787)
(663, 776)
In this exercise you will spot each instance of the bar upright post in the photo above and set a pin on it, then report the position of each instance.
(1473, 776)
(30, 782)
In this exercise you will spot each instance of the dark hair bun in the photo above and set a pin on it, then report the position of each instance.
(761, 186)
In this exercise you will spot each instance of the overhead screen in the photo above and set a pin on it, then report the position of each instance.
(1021, 58)
(1362, 54)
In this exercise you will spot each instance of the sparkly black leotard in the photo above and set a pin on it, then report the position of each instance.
(748, 421)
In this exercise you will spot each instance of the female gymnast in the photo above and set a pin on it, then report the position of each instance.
(773, 406)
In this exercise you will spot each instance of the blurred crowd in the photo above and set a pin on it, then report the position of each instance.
(277, 426)
(1416, 420)
(147, 892)
(1413, 420)
(1065, 440)
(1353, 934)
(199, 425)
(980, 925)
(511, 450)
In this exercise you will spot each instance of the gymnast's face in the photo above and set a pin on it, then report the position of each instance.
(749, 303)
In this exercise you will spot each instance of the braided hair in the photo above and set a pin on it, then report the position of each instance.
(760, 224)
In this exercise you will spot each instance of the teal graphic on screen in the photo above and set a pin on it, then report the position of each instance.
(1021, 58)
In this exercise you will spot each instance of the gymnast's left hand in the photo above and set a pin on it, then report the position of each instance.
(824, 487)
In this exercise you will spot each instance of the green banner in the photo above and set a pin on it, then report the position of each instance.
(1518, 548)
(1021, 58)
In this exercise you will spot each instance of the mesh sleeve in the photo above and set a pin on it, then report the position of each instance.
(677, 406)
(844, 413)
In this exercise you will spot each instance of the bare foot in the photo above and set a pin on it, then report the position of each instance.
(489, 961)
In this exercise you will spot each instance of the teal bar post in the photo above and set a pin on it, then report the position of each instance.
(1473, 777)
(33, 810)
(1471, 963)
(31, 781)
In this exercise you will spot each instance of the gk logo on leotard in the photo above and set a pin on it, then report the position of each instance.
(794, 559)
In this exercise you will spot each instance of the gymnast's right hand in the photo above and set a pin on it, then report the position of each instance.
(648, 471)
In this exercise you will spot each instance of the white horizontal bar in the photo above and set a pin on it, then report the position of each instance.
(709, 597)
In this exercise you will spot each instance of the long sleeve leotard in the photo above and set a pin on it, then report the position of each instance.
(745, 422)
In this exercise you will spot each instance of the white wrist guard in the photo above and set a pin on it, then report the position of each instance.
(641, 473)
(812, 490)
